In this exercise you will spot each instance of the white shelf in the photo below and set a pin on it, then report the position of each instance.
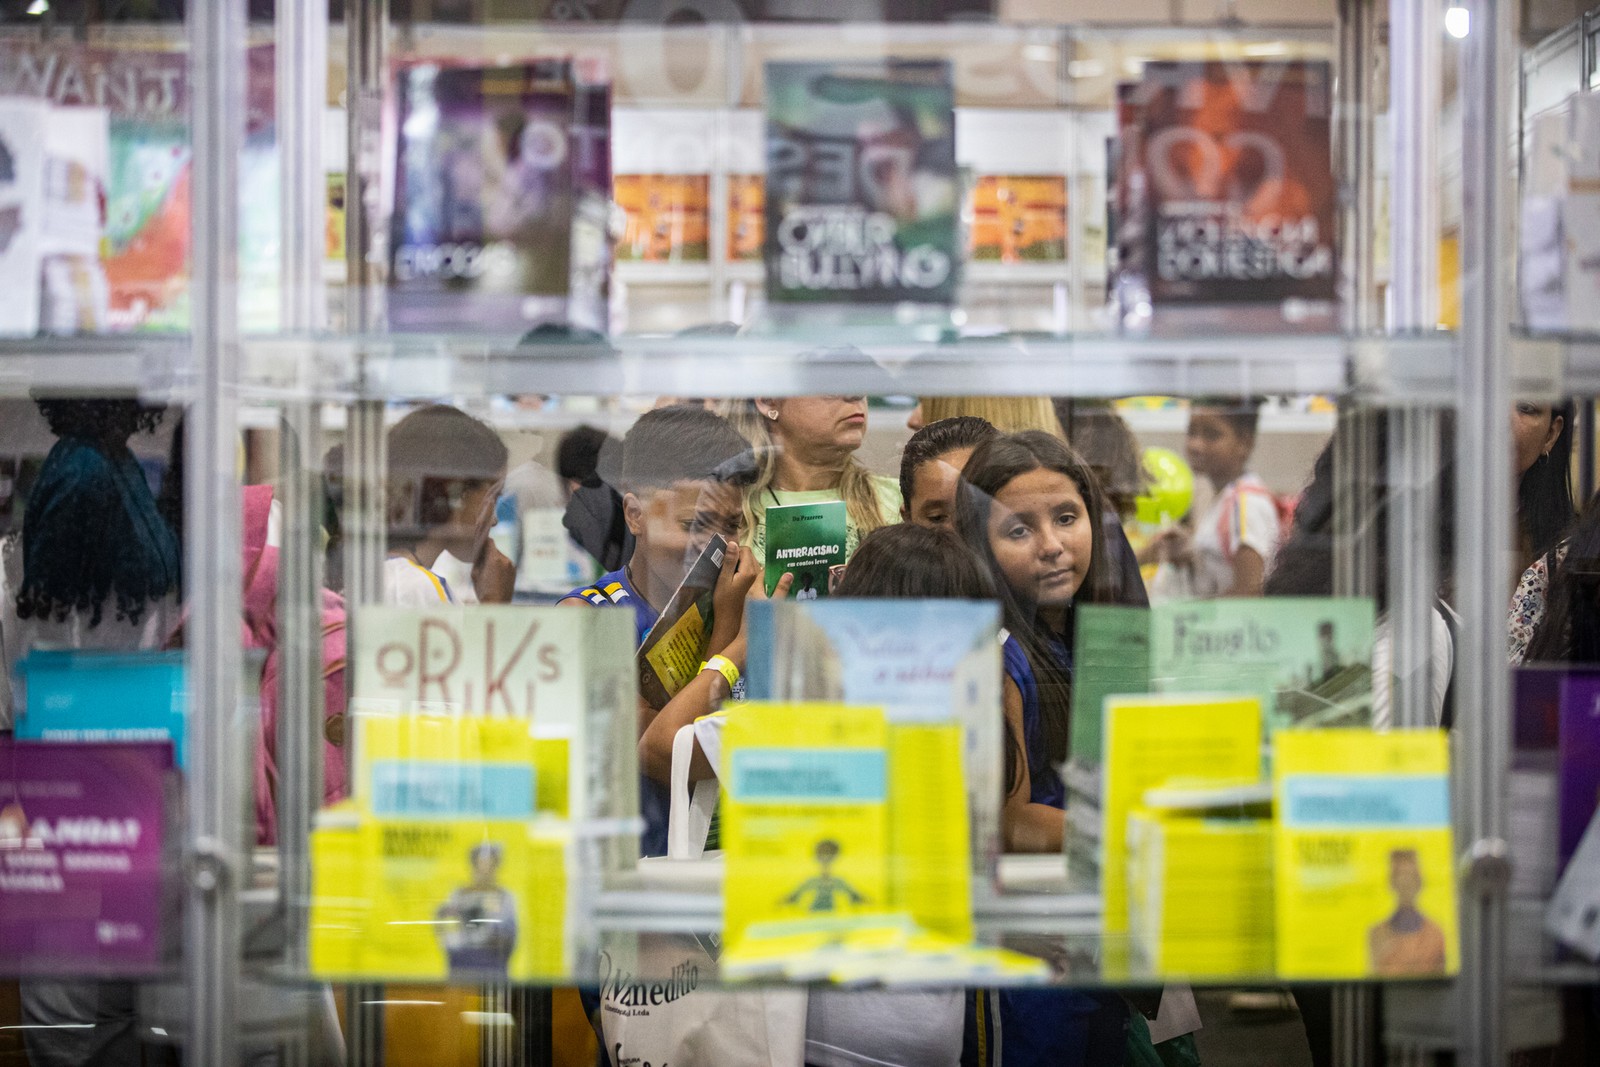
(888, 362)
(150, 366)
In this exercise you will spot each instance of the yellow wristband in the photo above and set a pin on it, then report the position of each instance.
(725, 667)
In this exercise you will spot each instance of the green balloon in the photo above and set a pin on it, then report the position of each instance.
(1171, 487)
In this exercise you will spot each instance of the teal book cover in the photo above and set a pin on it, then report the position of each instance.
(805, 540)
(1308, 658)
(862, 193)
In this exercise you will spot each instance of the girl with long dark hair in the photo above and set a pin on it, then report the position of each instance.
(1031, 510)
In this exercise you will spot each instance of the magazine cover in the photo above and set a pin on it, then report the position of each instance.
(82, 833)
(668, 217)
(1237, 157)
(804, 819)
(672, 652)
(496, 175)
(1364, 856)
(747, 217)
(862, 196)
(1020, 218)
(805, 540)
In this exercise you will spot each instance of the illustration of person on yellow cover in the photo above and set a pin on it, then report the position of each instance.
(1407, 942)
(478, 923)
(825, 886)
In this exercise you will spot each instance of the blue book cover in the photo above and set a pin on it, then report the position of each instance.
(103, 697)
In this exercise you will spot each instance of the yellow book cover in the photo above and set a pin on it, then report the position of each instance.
(1200, 895)
(464, 900)
(804, 815)
(340, 900)
(420, 764)
(930, 864)
(1150, 740)
(1365, 858)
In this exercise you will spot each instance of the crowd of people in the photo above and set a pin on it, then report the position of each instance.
(1021, 501)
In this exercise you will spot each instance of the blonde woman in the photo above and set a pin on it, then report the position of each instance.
(806, 448)
(1008, 414)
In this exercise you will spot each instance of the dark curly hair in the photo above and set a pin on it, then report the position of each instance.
(92, 532)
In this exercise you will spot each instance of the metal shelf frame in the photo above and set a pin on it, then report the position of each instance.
(1412, 372)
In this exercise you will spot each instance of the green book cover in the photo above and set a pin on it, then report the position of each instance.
(1308, 658)
(805, 540)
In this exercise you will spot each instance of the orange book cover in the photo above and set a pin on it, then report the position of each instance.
(1020, 218)
(668, 217)
(747, 207)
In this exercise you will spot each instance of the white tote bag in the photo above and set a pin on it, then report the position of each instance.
(684, 1020)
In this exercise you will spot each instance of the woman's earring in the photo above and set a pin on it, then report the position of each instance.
(773, 414)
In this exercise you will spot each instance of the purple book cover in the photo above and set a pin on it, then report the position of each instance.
(82, 830)
(485, 193)
(1580, 757)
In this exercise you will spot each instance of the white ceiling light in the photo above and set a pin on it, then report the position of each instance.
(1457, 22)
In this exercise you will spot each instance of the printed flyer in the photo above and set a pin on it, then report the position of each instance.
(804, 817)
(862, 196)
(1364, 856)
(82, 837)
(805, 540)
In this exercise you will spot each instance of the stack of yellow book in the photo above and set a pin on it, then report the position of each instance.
(1200, 894)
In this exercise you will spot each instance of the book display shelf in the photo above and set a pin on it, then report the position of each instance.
(298, 231)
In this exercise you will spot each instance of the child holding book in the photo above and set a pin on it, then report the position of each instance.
(1231, 547)
(683, 471)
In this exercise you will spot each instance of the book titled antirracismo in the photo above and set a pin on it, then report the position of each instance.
(805, 540)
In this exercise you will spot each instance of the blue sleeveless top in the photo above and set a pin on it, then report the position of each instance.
(1045, 780)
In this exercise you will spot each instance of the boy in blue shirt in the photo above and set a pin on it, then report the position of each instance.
(683, 473)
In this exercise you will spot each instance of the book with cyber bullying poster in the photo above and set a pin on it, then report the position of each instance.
(672, 652)
(862, 194)
(804, 817)
(805, 540)
(1363, 855)
(933, 666)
